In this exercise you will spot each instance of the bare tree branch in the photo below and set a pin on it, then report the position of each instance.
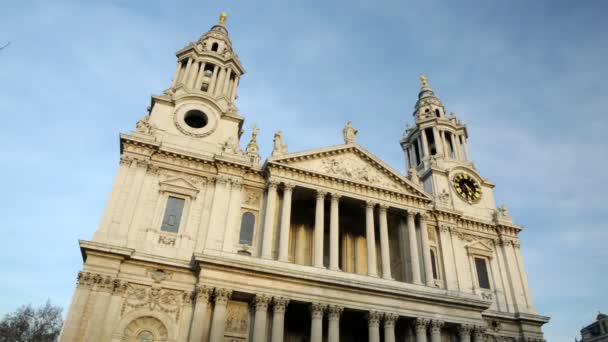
(5, 45)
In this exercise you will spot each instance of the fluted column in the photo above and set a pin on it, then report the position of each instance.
(285, 223)
(444, 142)
(176, 75)
(413, 242)
(389, 327)
(426, 251)
(334, 232)
(436, 326)
(316, 324)
(425, 144)
(333, 323)
(220, 82)
(478, 334)
(438, 142)
(199, 78)
(213, 82)
(420, 325)
(186, 74)
(202, 294)
(464, 331)
(370, 237)
(455, 146)
(261, 302)
(271, 200)
(319, 226)
(373, 323)
(279, 305)
(384, 245)
(193, 74)
(218, 323)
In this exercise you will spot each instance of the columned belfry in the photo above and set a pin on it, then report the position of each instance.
(200, 242)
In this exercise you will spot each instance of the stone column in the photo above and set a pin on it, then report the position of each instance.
(419, 148)
(261, 312)
(420, 325)
(464, 331)
(193, 74)
(333, 323)
(438, 143)
(300, 252)
(199, 78)
(218, 324)
(319, 226)
(478, 333)
(234, 87)
(213, 79)
(436, 326)
(220, 82)
(279, 305)
(384, 245)
(413, 242)
(80, 298)
(426, 251)
(176, 75)
(389, 326)
(226, 82)
(334, 232)
(466, 149)
(370, 237)
(316, 325)
(285, 223)
(448, 262)
(425, 144)
(271, 200)
(200, 310)
(373, 323)
(186, 74)
(446, 149)
(403, 252)
(455, 146)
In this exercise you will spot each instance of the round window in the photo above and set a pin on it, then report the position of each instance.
(196, 119)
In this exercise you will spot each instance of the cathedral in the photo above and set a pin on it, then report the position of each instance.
(202, 240)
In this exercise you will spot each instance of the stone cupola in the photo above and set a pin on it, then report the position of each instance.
(428, 105)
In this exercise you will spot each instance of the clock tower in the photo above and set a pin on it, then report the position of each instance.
(437, 156)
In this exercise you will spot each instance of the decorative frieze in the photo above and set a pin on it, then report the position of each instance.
(95, 281)
(154, 299)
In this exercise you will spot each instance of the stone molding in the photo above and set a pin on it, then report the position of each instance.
(99, 282)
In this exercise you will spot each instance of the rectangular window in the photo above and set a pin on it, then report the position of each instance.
(173, 214)
(482, 273)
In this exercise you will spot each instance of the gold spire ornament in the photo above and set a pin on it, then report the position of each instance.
(223, 17)
(424, 81)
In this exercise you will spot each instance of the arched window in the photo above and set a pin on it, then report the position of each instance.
(247, 224)
(434, 264)
(145, 336)
(437, 112)
(214, 47)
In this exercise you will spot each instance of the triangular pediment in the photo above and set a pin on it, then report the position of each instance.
(180, 186)
(480, 247)
(353, 163)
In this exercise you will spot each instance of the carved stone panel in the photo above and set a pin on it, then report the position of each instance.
(237, 321)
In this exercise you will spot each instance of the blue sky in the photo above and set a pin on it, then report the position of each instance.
(527, 77)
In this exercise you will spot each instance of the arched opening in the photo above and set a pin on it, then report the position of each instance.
(196, 119)
(214, 47)
(437, 113)
(145, 336)
(247, 224)
(145, 329)
(434, 265)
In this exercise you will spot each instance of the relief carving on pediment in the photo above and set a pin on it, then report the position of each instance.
(354, 168)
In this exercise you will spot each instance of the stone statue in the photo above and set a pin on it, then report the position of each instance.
(349, 133)
(252, 149)
(412, 174)
(144, 125)
(278, 147)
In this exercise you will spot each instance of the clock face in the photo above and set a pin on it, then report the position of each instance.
(467, 187)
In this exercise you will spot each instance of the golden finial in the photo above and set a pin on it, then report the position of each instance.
(223, 17)
(424, 81)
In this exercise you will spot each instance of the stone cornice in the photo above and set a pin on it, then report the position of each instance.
(117, 251)
(533, 318)
(355, 282)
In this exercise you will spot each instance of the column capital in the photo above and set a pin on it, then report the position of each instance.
(279, 304)
(420, 324)
(321, 194)
(222, 295)
(370, 204)
(334, 312)
(272, 183)
(382, 207)
(436, 325)
(390, 319)
(261, 302)
(335, 196)
(373, 318)
(479, 332)
(202, 293)
(288, 186)
(465, 329)
(316, 310)
(424, 215)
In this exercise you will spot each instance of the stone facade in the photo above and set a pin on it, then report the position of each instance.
(199, 242)
(596, 331)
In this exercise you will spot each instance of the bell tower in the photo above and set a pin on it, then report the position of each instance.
(437, 156)
(197, 111)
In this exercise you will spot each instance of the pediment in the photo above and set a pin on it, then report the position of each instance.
(180, 186)
(352, 163)
(480, 247)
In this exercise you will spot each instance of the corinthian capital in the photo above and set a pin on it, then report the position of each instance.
(316, 310)
(334, 312)
(390, 319)
(279, 304)
(373, 318)
(465, 329)
(222, 296)
(436, 325)
(420, 324)
(261, 302)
